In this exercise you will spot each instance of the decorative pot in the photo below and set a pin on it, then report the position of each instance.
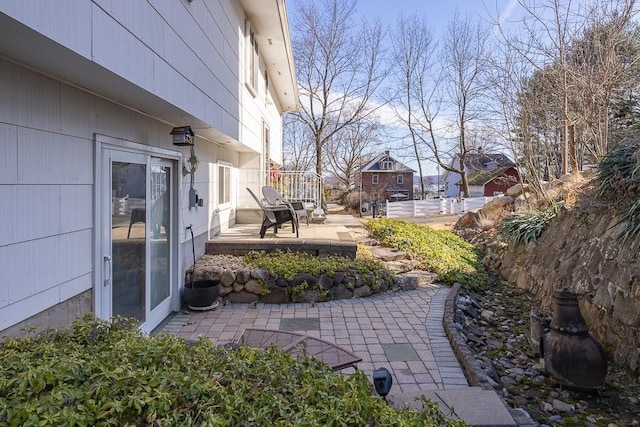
(202, 294)
(572, 356)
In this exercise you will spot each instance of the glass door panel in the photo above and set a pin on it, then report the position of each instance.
(128, 239)
(160, 246)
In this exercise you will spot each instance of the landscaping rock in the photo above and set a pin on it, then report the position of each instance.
(301, 278)
(208, 272)
(422, 278)
(243, 275)
(260, 274)
(225, 290)
(254, 286)
(228, 277)
(401, 266)
(362, 291)
(325, 281)
(341, 292)
(276, 295)
(237, 287)
(387, 254)
(307, 296)
(242, 297)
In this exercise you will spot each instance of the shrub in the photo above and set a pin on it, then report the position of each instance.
(112, 374)
(619, 179)
(439, 251)
(351, 200)
(289, 264)
(529, 225)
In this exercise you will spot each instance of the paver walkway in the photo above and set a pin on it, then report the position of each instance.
(399, 331)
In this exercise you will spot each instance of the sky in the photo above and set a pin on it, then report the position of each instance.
(438, 13)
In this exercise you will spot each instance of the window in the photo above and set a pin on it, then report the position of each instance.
(374, 179)
(224, 184)
(400, 179)
(387, 164)
(266, 147)
(253, 60)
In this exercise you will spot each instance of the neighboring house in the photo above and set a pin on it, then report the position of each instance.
(493, 181)
(95, 203)
(385, 178)
(486, 172)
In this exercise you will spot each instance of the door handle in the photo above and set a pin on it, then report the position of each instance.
(107, 263)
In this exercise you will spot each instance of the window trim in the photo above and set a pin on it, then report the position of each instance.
(224, 170)
(253, 60)
(400, 179)
(374, 179)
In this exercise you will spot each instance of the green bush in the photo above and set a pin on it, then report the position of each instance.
(289, 264)
(111, 374)
(529, 225)
(442, 252)
(618, 179)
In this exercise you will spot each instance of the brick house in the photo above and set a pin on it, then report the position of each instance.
(385, 178)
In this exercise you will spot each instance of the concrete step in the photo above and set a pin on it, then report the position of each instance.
(477, 407)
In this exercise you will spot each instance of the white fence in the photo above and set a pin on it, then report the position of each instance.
(413, 208)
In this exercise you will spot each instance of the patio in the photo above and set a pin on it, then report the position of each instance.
(402, 331)
(335, 236)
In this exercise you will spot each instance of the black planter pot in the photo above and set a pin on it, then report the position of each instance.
(202, 294)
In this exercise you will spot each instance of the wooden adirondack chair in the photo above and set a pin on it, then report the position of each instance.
(273, 216)
(275, 198)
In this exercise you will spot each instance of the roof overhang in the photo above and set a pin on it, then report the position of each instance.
(269, 19)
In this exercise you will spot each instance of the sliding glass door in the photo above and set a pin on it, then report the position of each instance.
(138, 236)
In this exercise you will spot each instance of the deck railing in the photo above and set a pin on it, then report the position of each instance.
(301, 186)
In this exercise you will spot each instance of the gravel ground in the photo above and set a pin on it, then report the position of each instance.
(494, 323)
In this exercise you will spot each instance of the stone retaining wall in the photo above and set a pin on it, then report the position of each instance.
(580, 251)
(247, 285)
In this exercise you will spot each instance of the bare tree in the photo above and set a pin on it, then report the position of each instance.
(348, 149)
(299, 150)
(413, 51)
(600, 61)
(582, 54)
(546, 32)
(428, 85)
(339, 68)
(465, 59)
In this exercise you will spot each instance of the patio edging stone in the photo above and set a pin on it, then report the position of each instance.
(247, 285)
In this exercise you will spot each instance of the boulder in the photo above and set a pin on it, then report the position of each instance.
(325, 281)
(260, 274)
(254, 286)
(242, 297)
(362, 291)
(243, 275)
(301, 278)
(276, 295)
(225, 290)
(341, 292)
(228, 277)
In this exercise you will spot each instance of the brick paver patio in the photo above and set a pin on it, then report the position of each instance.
(399, 331)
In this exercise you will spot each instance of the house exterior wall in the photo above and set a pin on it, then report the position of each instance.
(501, 183)
(184, 59)
(386, 180)
(47, 187)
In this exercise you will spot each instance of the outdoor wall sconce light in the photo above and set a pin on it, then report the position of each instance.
(382, 381)
(182, 135)
(191, 163)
